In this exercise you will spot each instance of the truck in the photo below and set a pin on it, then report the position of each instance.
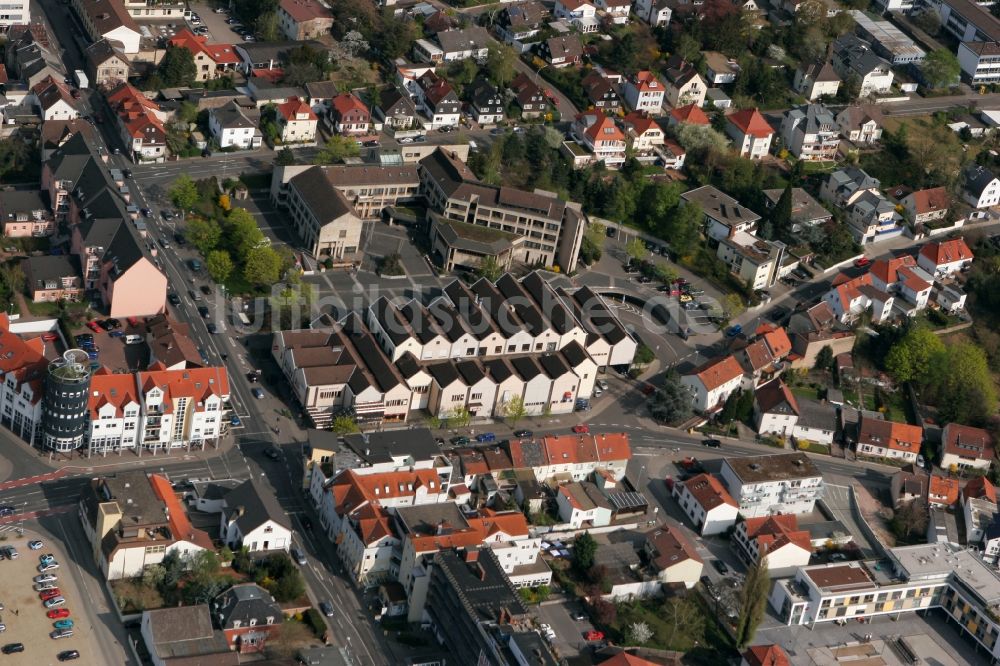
(81, 79)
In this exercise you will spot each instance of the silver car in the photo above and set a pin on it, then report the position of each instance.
(61, 633)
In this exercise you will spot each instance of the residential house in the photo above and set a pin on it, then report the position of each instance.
(770, 484)
(724, 216)
(942, 492)
(210, 60)
(964, 447)
(907, 485)
(319, 94)
(673, 556)
(816, 80)
(252, 519)
(140, 123)
(601, 92)
(248, 616)
(684, 85)
(806, 211)
(51, 279)
(53, 100)
(451, 45)
(844, 186)
(711, 383)
(111, 21)
(486, 102)
(751, 134)
(582, 505)
(107, 65)
(518, 23)
(691, 114)
(643, 91)
(529, 96)
(775, 408)
(706, 503)
(562, 51)
(183, 632)
(719, 69)
(55, 133)
(395, 109)
(754, 261)
(849, 297)
(776, 537)
(888, 439)
(25, 214)
(439, 102)
(927, 205)
(901, 275)
(982, 188)
(133, 520)
(299, 20)
(945, 258)
(324, 218)
(654, 12)
(765, 655)
(642, 131)
(672, 155)
(615, 12)
(230, 127)
(810, 133)
(861, 125)
(853, 56)
(296, 122)
(601, 136)
(349, 114)
(580, 14)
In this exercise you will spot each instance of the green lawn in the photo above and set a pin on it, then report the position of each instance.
(807, 392)
(695, 629)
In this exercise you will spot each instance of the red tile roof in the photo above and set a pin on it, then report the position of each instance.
(942, 490)
(930, 201)
(603, 129)
(293, 107)
(766, 655)
(778, 342)
(980, 487)
(197, 384)
(750, 121)
(626, 659)
(708, 492)
(947, 252)
(890, 435)
(344, 103)
(691, 113)
(671, 546)
(646, 81)
(775, 393)
(718, 371)
(305, 10)
(110, 389)
(180, 526)
(775, 532)
(138, 113)
(641, 122)
(220, 54)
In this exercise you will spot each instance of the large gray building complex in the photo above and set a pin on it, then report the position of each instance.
(328, 203)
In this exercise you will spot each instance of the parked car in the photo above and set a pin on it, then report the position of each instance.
(485, 437)
(327, 608)
(579, 617)
(523, 433)
(43, 568)
(45, 587)
(68, 655)
(720, 566)
(63, 624)
(581, 428)
(57, 613)
(11, 648)
(258, 393)
(299, 558)
(47, 558)
(49, 594)
(61, 633)
(711, 443)
(459, 440)
(45, 578)
(54, 602)
(861, 262)
(602, 384)
(272, 453)
(733, 331)
(203, 311)
(234, 420)
(173, 298)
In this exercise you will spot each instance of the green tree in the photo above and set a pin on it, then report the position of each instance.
(940, 68)
(336, 149)
(263, 266)
(657, 201)
(219, 265)
(636, 250)
(204, 234)
(396, 36)
(643, 355)
(489, 268)
(781, 214)
(153, 575)
(908, 360)
(753, 599)
(177, 68)
(683, 228)
(960, 384)
(12, 275)
(243, 234)
(500, 64)
(591, 248)
(460, 417)
(344, 425)
(514, 410)
(187, 112)
(285, 157)
(184, 192)
(289, 587)
(672, 402)
(584, 550)
(267, 27)
(824, 358)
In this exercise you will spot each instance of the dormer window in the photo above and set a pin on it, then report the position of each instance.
(236, 624)
(253, 622)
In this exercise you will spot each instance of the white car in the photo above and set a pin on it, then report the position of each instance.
(54, 602)
(45, 578)
(42, 568)
(35, 545)
(41, 587)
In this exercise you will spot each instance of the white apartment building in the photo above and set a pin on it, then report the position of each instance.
(14, 12)
(771, 484)
(707, 504)
(713, 382)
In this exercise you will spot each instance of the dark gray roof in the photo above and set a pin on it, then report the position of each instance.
(481, 586)
(427, 519)
(231, 115)
(388, 317)
(261, 51)
(977, 179)
(526, 367)
(574, 354)
(473, 38)
(517, 298)
(816, 414)
(184, 632)
(38, 270)
(856, 54)
(424, 326)
(322, 89)
(408, 365)
(468, 306)
(259, 505)
(382, 447)
(470, 371)
(443, 373)
(327, 203)
(371, 354)
(13, 202)
(245, 602)
(492, 300)
(447, 318)
(498, 368)
(554, 365)
(471, 237)
(548, 301)
(600, 317)
(393, 101)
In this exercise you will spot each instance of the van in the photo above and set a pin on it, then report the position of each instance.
(133, 339)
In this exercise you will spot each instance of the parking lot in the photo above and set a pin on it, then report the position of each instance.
(570, 640)
(24, 614)
(109, 347)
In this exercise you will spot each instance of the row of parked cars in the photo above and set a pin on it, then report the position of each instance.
(490, 437)
(46, 585)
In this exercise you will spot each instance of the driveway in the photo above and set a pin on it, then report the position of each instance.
(569, 632)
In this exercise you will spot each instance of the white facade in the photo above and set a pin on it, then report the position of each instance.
(14, 12)
(775, 486)
(713, 520)
(132, 561)
(706, 397)
(269, 535)
(575, 515)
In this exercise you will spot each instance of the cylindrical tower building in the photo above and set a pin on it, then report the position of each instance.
(64, 411)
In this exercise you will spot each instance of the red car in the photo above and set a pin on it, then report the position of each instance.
(862, 262)
(133, 322)
(57, 613)
(92, 325)
(594, 635)
(582, 428)
(50, 337)
(49, 594)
